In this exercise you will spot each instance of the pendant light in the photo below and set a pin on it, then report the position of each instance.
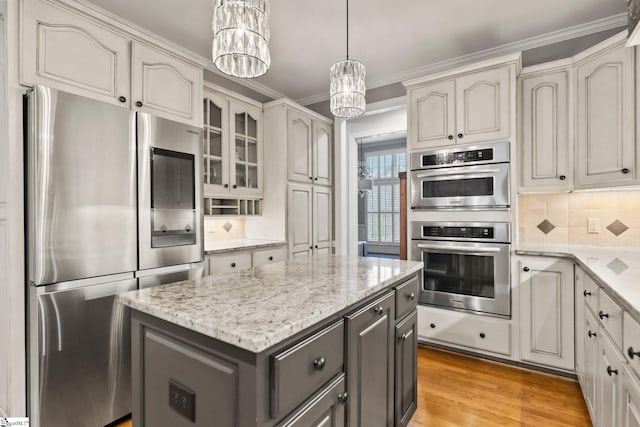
(347, 85)
(241, 37)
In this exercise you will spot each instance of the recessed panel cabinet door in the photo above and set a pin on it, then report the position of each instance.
(433, 115)
(322, 230)
(545, 159)
(406, 369)
(300, 147)
(300, 220)
(547, 316)
(322, 153)
(609, 372)
(63, 51)
(165, 86)
(630, 400)
(605, 140)
(590, 334)
(483, 106)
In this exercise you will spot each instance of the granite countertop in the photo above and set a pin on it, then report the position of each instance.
(257, 308)
(239, 245)
(617, 269)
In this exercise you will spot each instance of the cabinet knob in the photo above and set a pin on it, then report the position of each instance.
(562, 177)
(315, 179)
(319, 363)
(226, 186)
(632, 353)
(526, 269)
(433, 325)
(138, 103)
(311, 178)
(342, 397)
(403, 337)
(611, 371)
(592, 334)
(233, 265)
(270, 258)
(379, 310)
(310, 247)
(411, 296)
(450, 137)
(586, 293)
(234, 186)
(316, 246)
(460, 135)
(482, 335)
(602, 315)
(122, 99)
(625, 171)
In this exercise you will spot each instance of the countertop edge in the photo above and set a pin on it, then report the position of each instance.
(628, 306)
(248, 247)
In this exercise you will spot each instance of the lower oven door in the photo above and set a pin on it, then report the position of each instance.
(466, 276)
(479, 187)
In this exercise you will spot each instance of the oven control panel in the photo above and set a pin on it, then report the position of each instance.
(466, 232)
(457, 157)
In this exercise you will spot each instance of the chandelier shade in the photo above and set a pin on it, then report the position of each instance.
(241, 37)
(347, 88)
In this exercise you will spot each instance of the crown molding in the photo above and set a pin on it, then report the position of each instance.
(286, 102)
(587, 28)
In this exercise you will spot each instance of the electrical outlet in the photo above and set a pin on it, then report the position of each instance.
(593, 225)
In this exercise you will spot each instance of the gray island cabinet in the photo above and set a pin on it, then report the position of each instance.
(324, 341)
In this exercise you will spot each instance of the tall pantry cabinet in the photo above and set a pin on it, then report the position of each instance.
(298, 178)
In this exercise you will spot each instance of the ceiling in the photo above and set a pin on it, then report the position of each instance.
(390, 37)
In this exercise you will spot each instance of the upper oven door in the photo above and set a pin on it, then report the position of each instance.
(480, 187)
(169, 191)
(469, 276)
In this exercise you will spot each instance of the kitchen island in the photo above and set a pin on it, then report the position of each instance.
(326, 339)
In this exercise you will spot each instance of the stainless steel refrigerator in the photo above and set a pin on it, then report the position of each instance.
(113, 203)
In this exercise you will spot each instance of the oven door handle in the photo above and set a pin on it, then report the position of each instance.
(465, 249)
(476, 172)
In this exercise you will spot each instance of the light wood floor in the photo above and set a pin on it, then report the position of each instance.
(462, 391)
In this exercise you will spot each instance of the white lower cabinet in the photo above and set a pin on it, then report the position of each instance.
(546, 312)
(609, 369)
(629, 399)
(589, 336)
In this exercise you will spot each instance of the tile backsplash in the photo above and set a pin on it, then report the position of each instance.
(564, 218)
(223, 229)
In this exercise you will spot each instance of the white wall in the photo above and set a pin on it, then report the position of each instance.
(392, 117)
(4, 296)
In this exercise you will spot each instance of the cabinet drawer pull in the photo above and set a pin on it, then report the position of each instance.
(403, 337)
(122, 99)
(625, 171)
(602, 315)
(562, 177)
(271, 258)
(433, 325)
(342, 397)
(482, 335)
(233, 265)
(592, 334)
(632, 353)
(234, 186)
(319, 363)
(138, 103)
(460, 135)
(450, 137)
(611, 371)
(226, 186)
(411, 296)
(586, 293)
(526, 269)
(379, 310)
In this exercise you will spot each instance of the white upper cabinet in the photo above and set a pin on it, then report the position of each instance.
(468, 105)
(300, 146)
(67, 52)
(433, 114)
(216, 151)
(165, 86)
(483, 107)
(545, 125)
(322, 157)
(605, 140)
(93, 56)
(245, 131)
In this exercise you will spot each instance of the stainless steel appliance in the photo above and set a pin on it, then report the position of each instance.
(472, 177)
(466, 265)
(84, 223)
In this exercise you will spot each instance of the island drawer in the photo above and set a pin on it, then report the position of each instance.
(610, 315)
(326, 406)
(229, 263)
(299, 371)
(268, 256)
(590, 293)
(406, 297)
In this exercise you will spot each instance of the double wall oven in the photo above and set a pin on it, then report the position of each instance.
(466, 264)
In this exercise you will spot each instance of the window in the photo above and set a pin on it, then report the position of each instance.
(383, 202)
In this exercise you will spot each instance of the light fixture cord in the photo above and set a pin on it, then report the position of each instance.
(347, 29)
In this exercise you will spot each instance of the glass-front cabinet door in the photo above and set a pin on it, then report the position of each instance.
(246, 158)
(216, 148)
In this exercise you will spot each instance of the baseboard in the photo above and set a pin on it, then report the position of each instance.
(514, 363)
